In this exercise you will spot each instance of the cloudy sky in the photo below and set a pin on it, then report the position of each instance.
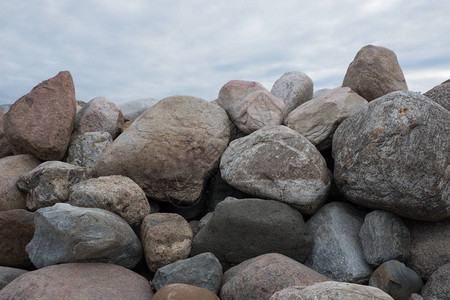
(133, 49)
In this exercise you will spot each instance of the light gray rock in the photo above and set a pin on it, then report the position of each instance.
(9, 274)
(70, 234)
(278, 163)
(293, 88)
(5, 107)
(85, 150)
(394, 155)
(337, 251)
(133, 109)
(320, 92)
(440, 94)
(437, 286)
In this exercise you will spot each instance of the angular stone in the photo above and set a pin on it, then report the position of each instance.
(394, 155)
(181, 138)
(437, 286)
(40, 123)
(9, 274)
(133, 109)
(179, 291)
(66, 234)
(166, 238)
(79, 281)
(293, 88)
(440, 94)
(374, 72)
(293, 170)
(11, 169)
(260, 277)
(250, 105)
(5, 149)
(85, 150)
(384, 237)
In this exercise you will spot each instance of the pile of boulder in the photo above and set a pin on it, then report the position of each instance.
(281, 194)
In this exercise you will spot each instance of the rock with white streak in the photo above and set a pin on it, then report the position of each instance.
(85, 150)
(293, 88)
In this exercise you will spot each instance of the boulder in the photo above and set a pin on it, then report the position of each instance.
(440, 94)
(318, 119)
(374, 72)
(293, 170)
(5, 149)
(170, 150)
(293, 88)
(166, 238)
(437, 286)
(133, 109)
(5, 107)
(50, 183)
(8, 274)
(16, 231)
(11, 169)
(240, 229)
(250, 105)
(178, 291)
(40, 123)
(79, 281)
(337, 251)
(260, 277)
(394, 155)
(320, 92)
(67, 234)
(396, 279)
(85, 150)
(384, 237)
(203, 270)
(99, 114)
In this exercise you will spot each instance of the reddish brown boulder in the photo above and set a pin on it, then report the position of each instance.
(180, 291)
(41, 122)
(5, 149)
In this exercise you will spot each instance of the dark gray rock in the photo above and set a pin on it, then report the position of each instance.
(85, 150)
(394, 155)
(203, 270)
(437, 286)
(440, 94)
(9, 274)
(337, 251)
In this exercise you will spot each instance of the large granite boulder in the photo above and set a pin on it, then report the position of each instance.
(293, 88)
(374, 72)
(180, 291)
(240, 229)
(278, 163)
(394, 155)
(66, 234)
(440, 94)
(8, 274)
(170, 149)
(5, 149)
(133, 109)
(41, 122)
(437, 286)
(85, 150)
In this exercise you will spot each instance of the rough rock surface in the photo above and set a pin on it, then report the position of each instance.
(133, 109)
(16, 231)
(440, 94)
(12, 168)
(260, 277)
(394, 155)
(384, 237)
(181, 138)
(293, 171)
(337, 251)
(374, 72)
(203, 270)
(5, 107)
(9, 274)
(5, 149)
(166, 238)
(437, 286)
(40, 123)
(318, 119)
(79, 281)
(85, 150)
(66, 234)
(116, 193)
(293, 88)
(179, 291)
(50, 183)
(240, 229)
(250, 105)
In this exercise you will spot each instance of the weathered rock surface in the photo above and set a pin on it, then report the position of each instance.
(79, 281)
(203, 270)
(40, 123)
(50, 183)
(293, 88)
(337, 251)
(396, 279)
(5, 107)
(181, 138)
(8, 274)
(66, 234)
(166, 238)
(318, 119)
(374, 72)
(260, 277)
(394, 155)
(250, 105)
(133, 109)
(240, 229)
(5, 149)
(11, 169)
(437, 286)
(179, 291)
(293, 170)
(384, 237)
(85, 150)
(440, 94)
(16, 231)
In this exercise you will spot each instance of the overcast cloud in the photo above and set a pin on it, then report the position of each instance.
(127, 50)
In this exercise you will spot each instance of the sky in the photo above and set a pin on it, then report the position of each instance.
(134, 49)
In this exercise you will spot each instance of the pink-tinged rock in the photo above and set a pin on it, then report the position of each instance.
(5, 149)
(79, 281)
(41, 122)
(179, 291)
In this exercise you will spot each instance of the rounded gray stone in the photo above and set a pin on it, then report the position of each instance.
(85, 150)
(293, 88)
(437, 286)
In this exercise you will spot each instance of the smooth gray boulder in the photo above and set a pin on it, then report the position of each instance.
(85, 150)
(133, 109)
(437, 286)
(394, 155)
(293, 88)
(8, 274)
(70, 234)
